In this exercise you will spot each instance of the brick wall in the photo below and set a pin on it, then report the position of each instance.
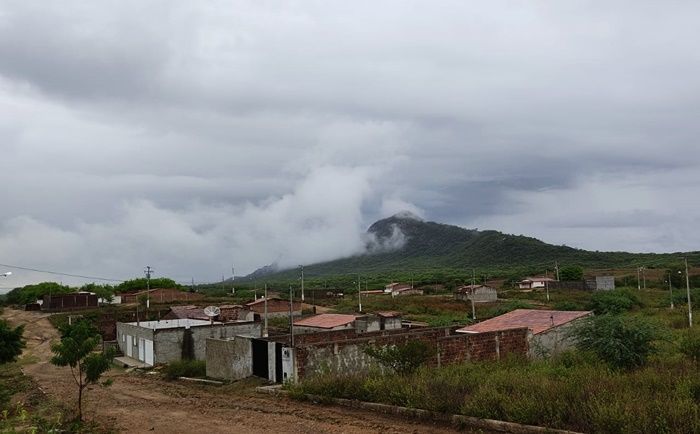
(347, 355)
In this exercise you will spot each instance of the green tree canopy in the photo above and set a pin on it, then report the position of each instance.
(11, 342)
(135, 285)
(32, 293)
(571, 273)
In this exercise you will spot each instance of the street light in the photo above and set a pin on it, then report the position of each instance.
(9, 273)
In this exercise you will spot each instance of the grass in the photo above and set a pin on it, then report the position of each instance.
(185, 368)
(573, 391)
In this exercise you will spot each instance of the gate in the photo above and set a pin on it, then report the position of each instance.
(260, 359)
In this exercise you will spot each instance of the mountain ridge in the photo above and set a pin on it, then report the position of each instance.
(406, 242)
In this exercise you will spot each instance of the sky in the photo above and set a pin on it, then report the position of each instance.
(193, 136)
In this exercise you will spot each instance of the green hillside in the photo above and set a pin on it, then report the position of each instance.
(436, 249)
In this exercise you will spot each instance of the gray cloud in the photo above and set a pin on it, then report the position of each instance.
(192, 135)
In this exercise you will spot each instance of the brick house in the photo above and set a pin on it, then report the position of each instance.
(276, 307)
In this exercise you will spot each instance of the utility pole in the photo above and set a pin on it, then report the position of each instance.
(291, 329)
(265, 314)
(359, 292)
(644, 277)
(556, 269)
(670, 289)
(148, 272)
(233, 280)
(302, 283)
(546, 283)
(472, 294)
(639, 285)
(687, 288)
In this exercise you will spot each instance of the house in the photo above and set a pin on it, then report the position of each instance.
(227, 313)
(389, 320)
(276, 307)
(166, 341)
(548, 328)
(324, 322)
(406, 291)
(535, 282)
(476, 293)
(73, 301)
(390, 288)
(161, 295)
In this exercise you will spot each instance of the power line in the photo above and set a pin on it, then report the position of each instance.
(57, 273)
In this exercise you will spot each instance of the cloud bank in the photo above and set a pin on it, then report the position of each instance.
(189, 136)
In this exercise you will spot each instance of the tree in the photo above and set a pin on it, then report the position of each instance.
(624, 343)
(11, 342)
(77, 350)
(571, 273)
(690, 346)
(403, 359)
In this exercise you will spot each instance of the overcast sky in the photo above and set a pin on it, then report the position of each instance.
(192, 135)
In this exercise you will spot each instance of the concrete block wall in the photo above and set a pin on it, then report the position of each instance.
(229, 359)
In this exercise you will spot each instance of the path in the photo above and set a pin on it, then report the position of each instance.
(146, 403)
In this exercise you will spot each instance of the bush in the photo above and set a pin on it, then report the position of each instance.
(403, 359)
(185, 368)
(571, 273)
(623, 343)
(567, 305)
(613, 302)
(690, 346)
(11, 342)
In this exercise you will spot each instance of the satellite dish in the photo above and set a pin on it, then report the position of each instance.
(212, 311)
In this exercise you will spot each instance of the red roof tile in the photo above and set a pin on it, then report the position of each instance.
(536, 320)
(389, 314)
(325, 320)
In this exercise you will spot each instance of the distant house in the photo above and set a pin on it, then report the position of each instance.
(400, 289)
(477, 293)
(324, 322)
(276, 307)
(161, 295)
(549, 328)
(535, 282)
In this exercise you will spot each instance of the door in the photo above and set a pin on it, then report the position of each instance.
(260, 361)
(129, 346)
(149, 352)
(278, 362)
(142, 349)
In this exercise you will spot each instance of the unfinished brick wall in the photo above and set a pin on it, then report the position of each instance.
(348, 355)
(352, 334)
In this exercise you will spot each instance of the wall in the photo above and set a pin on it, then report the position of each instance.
(349, 355)
(306, 329)
(552, 341)
(229, 359)
(391, 323)
(169, 342)
(605, 283)
(125, 333)
(368, 323)
(481, 295)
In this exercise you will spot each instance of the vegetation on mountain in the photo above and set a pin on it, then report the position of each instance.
(403, 248)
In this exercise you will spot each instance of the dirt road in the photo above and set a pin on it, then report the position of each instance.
(138, 402)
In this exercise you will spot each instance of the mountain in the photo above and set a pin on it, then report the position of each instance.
(405, 243)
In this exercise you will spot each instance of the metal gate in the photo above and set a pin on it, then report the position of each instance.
(260, 359)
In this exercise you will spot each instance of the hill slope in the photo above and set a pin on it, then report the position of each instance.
(404, 243)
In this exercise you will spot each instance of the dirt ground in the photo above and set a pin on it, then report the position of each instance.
(138, 402)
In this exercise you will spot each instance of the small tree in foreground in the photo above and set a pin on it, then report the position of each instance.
(11, 342)
(77, 350)
(403, 359)
(623, 343)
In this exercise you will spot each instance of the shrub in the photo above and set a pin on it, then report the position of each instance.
(404, 358)
(690, 346)
(613, 302)
(623, 343)
(570, 273)
(567, 305)
(185, 368)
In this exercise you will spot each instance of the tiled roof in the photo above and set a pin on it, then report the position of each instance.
(191, 312)
(262, 300)
(325, 320)
(470, 288)
(537, 321)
